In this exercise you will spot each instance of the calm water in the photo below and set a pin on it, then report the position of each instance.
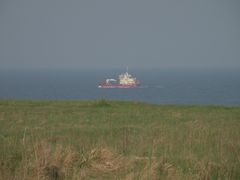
(158, 86)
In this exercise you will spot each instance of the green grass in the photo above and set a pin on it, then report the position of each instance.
(117, 140)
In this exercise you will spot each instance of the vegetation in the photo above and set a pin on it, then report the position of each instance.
(117, 140)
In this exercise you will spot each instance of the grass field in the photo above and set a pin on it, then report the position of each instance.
(117, 140)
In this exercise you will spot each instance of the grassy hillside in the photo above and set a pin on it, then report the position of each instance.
(117, 140)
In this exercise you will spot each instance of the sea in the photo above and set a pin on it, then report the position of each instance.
(158, 86)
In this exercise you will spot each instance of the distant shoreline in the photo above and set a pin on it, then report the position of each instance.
(46, 101)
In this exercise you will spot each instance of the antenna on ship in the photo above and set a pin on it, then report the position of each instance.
(127, 69)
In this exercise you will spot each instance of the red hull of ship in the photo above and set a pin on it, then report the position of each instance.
(117, 86)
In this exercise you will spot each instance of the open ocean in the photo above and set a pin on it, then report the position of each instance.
(198, 87)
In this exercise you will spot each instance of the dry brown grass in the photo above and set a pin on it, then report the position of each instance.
(100, 163)
(56, 162)
(47, 162)
(44, 162)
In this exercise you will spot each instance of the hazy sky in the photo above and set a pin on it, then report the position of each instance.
(117, 33)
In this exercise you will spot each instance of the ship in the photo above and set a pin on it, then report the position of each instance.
(125, 80)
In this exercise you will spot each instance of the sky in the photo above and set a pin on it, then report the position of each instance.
(85, 34)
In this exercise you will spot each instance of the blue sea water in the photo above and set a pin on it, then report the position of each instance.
(218, 87)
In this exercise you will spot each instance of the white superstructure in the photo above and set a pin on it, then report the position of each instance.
(127, 79)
